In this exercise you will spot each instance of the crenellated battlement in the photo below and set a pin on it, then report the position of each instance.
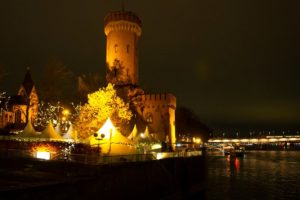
(122, 15)
(123, 26)
(122, 21)
(160, 98)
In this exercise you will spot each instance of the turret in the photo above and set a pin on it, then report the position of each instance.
(122, 30)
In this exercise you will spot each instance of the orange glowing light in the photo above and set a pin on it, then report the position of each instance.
(237, 164)
(44, 148)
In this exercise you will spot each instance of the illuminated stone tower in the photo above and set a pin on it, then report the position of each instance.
(122, 30)
(157, 111)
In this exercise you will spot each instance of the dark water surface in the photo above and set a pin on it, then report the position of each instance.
(259, 175)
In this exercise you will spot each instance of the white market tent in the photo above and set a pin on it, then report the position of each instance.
(50, 133)
(144, 137)
(58, 128)
(133, 133)
(29, 131)
(113, 143)
(71, 134)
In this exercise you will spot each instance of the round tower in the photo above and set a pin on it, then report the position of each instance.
(122, 30)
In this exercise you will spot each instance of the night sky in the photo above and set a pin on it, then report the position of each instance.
(234, 63)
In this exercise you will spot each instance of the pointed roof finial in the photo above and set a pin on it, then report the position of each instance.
(28, 82)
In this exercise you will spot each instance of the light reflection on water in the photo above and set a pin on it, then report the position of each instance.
(259, 175)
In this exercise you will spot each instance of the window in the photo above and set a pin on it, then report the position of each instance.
(149, 118)
(18, 117)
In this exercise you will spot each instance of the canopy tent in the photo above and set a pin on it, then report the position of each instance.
(113, 142)
(133, 133)
(29, 131)
(58, 128)
(146, 133)
(71, 134)
(145, 137)
(50, 133)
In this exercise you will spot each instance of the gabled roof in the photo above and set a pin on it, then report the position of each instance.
(28, 82)
(17, 100)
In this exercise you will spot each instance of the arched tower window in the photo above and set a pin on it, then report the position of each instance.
(116, 48)
(149, 118)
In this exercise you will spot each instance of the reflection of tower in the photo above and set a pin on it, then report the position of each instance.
(122, 30)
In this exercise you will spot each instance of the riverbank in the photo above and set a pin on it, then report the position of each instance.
(174, 178)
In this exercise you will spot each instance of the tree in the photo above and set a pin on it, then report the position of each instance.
(187, 122)
(88, 83)
(3, 102)
(47, 112)
(101, 105)
(57, 81)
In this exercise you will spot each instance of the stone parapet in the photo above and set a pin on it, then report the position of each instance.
(122, 21)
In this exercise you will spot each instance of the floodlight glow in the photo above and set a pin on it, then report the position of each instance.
(156, 146)
(43, 155)
(107, 129)
(159, 156)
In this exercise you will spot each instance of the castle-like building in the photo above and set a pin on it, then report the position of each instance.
(156, 111)
(123, 30)
(17, 110)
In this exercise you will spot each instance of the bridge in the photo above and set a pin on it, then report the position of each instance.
(261, 140)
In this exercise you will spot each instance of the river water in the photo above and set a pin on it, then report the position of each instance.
(258, 175)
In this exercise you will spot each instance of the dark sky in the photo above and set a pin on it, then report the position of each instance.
(234, 63)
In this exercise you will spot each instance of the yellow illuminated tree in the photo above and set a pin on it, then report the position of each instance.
(101, 105)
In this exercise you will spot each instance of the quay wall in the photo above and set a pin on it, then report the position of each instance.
(174, 178)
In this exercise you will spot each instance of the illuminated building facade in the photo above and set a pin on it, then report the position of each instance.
(17, 109)
(122, 30)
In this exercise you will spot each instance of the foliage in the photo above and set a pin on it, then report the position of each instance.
(3, 101)
(55, 113)
(101, 105)
(2, 97)
(87, 83)
(187, 122)
(57, 81)
(47, 112)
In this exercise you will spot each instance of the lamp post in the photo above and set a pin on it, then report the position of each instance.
(110, 134)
